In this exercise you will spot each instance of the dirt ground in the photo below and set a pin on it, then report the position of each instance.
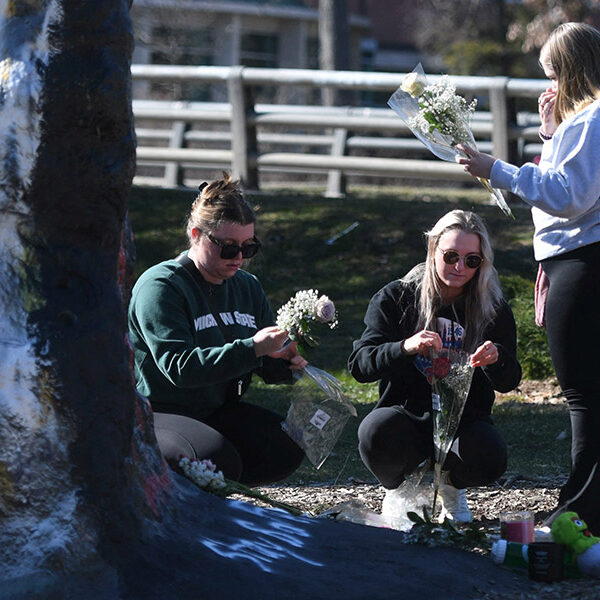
(486, 503)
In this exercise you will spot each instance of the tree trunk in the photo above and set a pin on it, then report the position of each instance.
(334, 53)
(80, 470)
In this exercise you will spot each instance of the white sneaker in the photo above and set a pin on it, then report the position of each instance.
(454, 504)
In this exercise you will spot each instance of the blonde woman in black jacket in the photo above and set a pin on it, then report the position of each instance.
(453, 299)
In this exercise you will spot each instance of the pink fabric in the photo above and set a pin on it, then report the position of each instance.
(542, 285)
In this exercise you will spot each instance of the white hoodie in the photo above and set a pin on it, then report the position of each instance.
(564, 189)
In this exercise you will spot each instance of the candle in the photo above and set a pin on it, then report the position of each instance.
(517, 527)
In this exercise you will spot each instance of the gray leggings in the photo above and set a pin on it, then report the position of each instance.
(244, 441)
(392, 445)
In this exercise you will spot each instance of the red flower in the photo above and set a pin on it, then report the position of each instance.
(441, 367)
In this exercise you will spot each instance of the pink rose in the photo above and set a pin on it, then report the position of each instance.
(324, 310)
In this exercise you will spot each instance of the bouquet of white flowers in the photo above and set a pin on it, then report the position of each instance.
(205, 475)
(302, 311)
(439, 117)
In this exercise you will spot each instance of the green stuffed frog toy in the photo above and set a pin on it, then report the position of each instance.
(570, 530)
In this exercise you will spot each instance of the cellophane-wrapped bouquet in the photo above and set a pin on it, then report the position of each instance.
(439, 117)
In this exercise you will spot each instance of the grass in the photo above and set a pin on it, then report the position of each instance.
(294, 227)
(532, 432)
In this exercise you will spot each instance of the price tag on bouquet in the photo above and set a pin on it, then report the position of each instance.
(317, 414)
(320, 419)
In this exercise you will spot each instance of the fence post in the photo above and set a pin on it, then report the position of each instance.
(243, 130)
(500, 117)
(173, 176)
(336, 181)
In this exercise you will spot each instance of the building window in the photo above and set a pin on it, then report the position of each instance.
(312, 53)
(178, 46)
(259, 50)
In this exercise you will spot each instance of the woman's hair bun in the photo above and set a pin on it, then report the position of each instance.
(199, 196)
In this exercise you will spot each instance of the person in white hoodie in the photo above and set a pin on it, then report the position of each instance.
(564, 193)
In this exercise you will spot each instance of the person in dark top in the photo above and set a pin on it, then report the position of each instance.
(451, 300)
(200, 326)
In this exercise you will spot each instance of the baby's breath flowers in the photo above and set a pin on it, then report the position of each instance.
(205, 475)
(439, 117)
(299, 313)
(444, 110)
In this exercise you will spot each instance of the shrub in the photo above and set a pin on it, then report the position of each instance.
(532, 341)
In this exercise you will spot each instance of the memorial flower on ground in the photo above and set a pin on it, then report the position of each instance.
(205, 475)
(439, 117)
(301, 312)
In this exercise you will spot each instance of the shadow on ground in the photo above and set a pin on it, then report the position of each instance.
(225, 549)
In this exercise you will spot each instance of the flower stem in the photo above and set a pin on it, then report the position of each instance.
(240, 488)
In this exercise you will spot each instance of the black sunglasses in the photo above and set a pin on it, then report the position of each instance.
(451, 257)
(229, 251)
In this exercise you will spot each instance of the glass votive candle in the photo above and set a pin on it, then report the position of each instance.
(517, 526)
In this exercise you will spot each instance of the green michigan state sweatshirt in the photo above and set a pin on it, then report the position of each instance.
(185, 362)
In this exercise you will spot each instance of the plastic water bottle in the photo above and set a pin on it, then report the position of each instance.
(511, 554)
(515, 554)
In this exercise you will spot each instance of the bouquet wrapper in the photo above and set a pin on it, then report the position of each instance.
(406, 106)
(318, 413)
(451, 381)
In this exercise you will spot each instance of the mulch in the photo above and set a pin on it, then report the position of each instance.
(512, 492)
(486, 503)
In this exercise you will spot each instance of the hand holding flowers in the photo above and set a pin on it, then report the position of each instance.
(486, 354)
(269, 340)
(423, 342)
(476, 163)
(290, 353)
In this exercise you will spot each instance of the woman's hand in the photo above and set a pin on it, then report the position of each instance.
(422, 342)
(546, 110)
(290, 352)
(486, 354)
(269, 340)
(476, 163)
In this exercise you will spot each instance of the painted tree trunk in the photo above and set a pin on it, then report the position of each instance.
(80, 472)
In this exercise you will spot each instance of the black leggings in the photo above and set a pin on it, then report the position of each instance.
(244, 441)
(573, 326)
(392, 445)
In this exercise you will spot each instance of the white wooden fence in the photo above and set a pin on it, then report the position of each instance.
(249, 138)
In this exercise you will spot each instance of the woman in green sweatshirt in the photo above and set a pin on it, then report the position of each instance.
(200, 327)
